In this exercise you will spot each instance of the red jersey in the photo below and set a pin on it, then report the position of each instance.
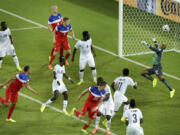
(63, 31)
(55, 20)
(19, 82)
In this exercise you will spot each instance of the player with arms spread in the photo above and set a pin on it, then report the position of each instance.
(61, 40)
(122, 83)
(133, 118)
(58, 85)
(54, 20)
(96, 93)
(6, 45)
(157, 66)
(16, 83)
(86, 56)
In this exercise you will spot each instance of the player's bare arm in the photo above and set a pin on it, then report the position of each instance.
(7, 82)
(83, 94)
(54, 36)
(11, 39)
(74, 53)
(113, 86)
(141, 121)
(92, 49)
(135, 86)
(73, 35)
(106, 98)
(50, 28)
(54, 75)
(67, 77)
(31, 89)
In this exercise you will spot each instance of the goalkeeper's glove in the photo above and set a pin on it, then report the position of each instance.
(143, 43)
(154, 39)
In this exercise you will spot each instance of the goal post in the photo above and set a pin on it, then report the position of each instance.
(141, 20)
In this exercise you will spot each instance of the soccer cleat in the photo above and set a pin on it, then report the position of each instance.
(19, 69)
(94, 131)
(66, 63)
(104, 123)
(108, 132)
(84, 131)
(172, 93)
(49, 58)
(123, 119)
(50, 67)
(72, 111)
(154, 82)
(42, 108)
(79, 83)
(10, 120)
(65, 112)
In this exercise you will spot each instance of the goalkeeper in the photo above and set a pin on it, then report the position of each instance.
(157, 66)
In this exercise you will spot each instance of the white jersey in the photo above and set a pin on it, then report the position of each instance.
(4, 37)
(85, 47)
(110, 100)
(134, 115)
(59, 72)
(123, 82)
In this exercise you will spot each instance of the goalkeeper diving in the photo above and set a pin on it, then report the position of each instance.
(157, 66)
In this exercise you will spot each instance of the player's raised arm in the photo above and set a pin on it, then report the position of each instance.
(73, 35)
(92, 49)
(7, 82)
(31, 89)
(67, 77)
(74, 53)
(83, 94)
(150, 47)
(113, 86)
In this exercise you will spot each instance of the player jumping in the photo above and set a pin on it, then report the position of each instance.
(96, 93)
(157, 66)
(119, 96)
(106, 109)
(86, 56)
(133, 118)
(6, 45)
(54, 20)
(16, 83)
(61, 40)
(58, 85)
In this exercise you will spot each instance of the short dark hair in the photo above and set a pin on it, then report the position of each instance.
(125, 71)
(132, 103)
(26, 68)
(65, 19)
(102, 83)
(62, 59)
(3, 23)
(99, 80)
(86, 35)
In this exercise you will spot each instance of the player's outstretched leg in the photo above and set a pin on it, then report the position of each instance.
(94, 74)
(52, 51)
(126, 107)
(65, 102)
(84, 129)
(16, 61)
(61, 52)
(81, 76)
(51, 60)
(43, 106)
(108, 118)
(11, 110)
(98, 118)
(68, 53)
(172, 91)
(1, 61)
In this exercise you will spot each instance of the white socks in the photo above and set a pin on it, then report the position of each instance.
(1, 61)
(15, 58)
(97, 122)
(81, 76)
(65, 103)
(94, 74)
(126, 107)
(48, 102)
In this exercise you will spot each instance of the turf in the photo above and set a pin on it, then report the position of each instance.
(100, 17)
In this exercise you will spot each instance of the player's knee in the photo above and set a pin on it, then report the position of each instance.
(99, 114)
(65, 95)
(108, 117)
(82, 70)
(1, 58)
(54, 97)
(93, 68)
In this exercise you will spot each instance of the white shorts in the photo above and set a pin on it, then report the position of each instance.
(106, 109)
(86, 60)
(7, 50)
(133, 130)
(118, 100)
(61, 88)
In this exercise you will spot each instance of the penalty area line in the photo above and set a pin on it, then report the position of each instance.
(58, 110)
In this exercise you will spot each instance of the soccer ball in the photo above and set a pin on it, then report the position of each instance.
(166, 28)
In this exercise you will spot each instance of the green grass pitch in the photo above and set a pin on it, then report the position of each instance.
(100, 17)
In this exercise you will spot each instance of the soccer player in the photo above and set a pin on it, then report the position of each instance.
(106, 109)
(6, 45)
(157, 66)
(60, 39)
(86, 56)
(122, 83)
(54, 20)
(134, 118)
(58, 85)
(16, 83)
(96, 93)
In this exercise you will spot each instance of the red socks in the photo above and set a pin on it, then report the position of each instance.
(1, 100)
(52, 52)
(85, 126)
(11, 109)
(51, 60)
(67, 56)
(77, 113)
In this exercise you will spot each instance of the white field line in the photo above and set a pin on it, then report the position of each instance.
(99, 48)
(58, 110)
(27, 28)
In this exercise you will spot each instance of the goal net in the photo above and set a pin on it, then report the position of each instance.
(141, 20)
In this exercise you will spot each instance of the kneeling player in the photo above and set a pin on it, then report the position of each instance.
(134, 118)
(17, 82)
(86, 56)
(6, 45)
(58, 85)
(106, 109)
(96, 93)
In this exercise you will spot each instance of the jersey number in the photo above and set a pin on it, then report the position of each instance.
(119, 86)
(135, 118)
